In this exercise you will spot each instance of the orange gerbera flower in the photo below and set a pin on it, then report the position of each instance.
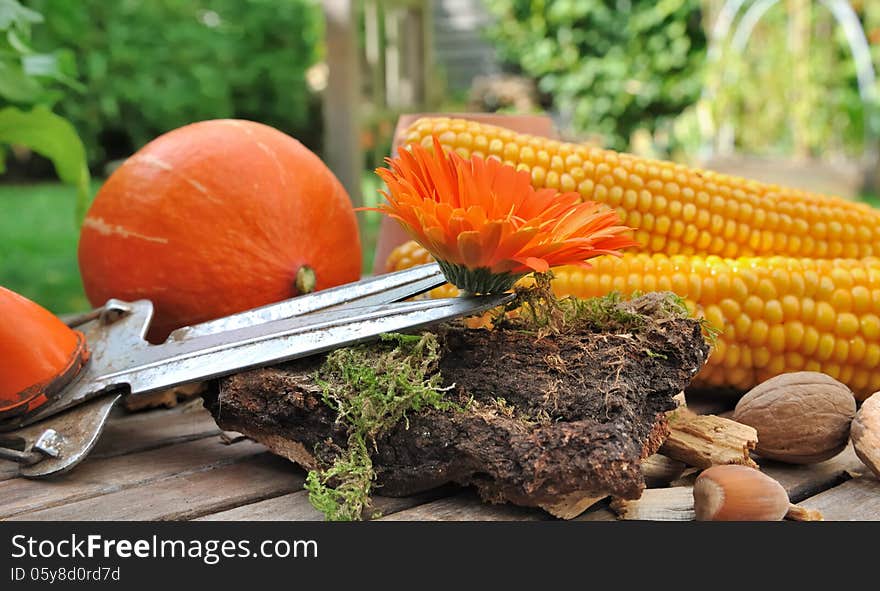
(486, 225)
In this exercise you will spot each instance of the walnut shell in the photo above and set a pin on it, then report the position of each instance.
(866, 433)
(801, 418)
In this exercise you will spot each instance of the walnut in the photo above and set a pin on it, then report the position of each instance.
(866, 433)
(801, 418)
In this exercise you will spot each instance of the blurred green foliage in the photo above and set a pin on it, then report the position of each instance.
(31, 82)
(610, 66)
(793, 88)
(38, 245)
(150, 66)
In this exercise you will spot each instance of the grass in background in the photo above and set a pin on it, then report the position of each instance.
(38, 239)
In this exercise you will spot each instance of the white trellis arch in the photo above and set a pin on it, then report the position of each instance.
(845, 17)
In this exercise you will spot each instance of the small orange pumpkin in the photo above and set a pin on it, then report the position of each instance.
(39, 354)
(214, 218)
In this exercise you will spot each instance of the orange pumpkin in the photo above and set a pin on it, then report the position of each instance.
(39, 354)
(214, 218)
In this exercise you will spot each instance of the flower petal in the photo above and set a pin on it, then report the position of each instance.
(480, 213)
(539, 265)
(470, 248)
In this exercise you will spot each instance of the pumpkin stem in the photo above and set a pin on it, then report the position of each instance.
(305, 280)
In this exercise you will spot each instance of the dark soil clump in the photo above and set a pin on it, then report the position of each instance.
(536, 415)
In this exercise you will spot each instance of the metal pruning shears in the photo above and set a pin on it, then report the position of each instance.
(59, 433)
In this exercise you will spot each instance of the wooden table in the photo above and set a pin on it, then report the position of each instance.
(176, 465)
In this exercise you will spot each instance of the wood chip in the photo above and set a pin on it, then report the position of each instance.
(708, 440)
(658, 504)
(798, 513)
(231, 437)
(571, 505)
(660, 470)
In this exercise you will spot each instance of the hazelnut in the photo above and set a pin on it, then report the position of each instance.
(738, 493)
(866, 433)
(801, 418)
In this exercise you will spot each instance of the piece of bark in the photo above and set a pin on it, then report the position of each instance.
(658, 504)
(660, 470)
(603, 400)
(707, 440)
(576, 503)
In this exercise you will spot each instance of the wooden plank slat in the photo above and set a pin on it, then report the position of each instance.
(296, 507)
(802, 481)
(8, 470)
(153, 429)
(184, 497)
(99, 476)
(290, 507)
(856, 500)
(466, 506)
(143, 431)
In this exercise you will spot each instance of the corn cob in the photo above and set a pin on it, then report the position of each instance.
(774, 314)
(675, 209)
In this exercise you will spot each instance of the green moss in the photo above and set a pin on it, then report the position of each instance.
(342, 492)
(372, 388)
(606, 313)
(540, 310)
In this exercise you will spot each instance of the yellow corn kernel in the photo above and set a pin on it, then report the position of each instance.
(768, 219)
(759, 336)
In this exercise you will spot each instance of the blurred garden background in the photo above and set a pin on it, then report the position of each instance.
(779, 90)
